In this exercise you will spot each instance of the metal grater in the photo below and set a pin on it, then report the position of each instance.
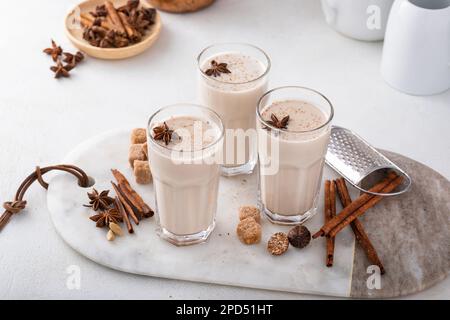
(357, 161)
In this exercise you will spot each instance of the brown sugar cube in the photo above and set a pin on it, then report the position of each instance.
(249, 231)
(142, 172)
(278, 244)
(249, 211)
(138, 136)
(145, 150)
(136, 153)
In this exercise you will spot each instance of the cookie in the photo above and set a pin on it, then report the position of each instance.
(249, 211)
(278, 244)
(249, 231)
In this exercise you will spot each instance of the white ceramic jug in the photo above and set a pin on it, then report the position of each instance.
(416, 53)
(359, 19)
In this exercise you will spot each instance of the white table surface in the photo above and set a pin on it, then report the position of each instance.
(42, 119)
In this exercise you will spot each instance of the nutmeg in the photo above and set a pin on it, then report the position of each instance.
(299, 237)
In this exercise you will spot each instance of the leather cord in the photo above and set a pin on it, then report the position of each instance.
(18, 204)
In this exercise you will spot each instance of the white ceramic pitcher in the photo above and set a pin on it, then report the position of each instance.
(416, 54)
(359, 19)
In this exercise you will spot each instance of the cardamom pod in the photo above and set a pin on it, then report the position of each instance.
(115, 228)
(110, 235)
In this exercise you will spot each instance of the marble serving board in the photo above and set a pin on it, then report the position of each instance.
(413, 260)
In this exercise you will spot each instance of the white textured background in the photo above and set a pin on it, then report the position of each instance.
(42, 119)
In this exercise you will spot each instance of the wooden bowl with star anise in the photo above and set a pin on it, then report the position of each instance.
(113, 29)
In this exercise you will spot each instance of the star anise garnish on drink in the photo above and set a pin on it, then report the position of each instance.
(99, 201)
(217, 68)
(55, 51)
(275, 122)
(105, 217)
(163, 133)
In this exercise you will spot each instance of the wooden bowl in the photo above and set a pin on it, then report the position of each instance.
(180, 6)
(75, 33)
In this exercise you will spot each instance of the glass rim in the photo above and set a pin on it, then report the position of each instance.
(429, 9)
(259, 115)
(221, 128)
(267, 68)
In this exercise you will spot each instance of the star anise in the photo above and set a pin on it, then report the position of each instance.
(104, 218)
(138, 21)
(55, 51)
(121, 42)
(280, 124)
(129, 6)
(97, 22)
(217, 68)
(99, 201)
(100, 11)
(60, 70)
(73, 58)
(149, 14)
(108, 39)
(163, 133)
(142, 19)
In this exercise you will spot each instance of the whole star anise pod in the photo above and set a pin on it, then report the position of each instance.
(217, 68)
(149, 14)
(73, 58)
(55, 51)
(99, 201)
(60, 70)
(129, 6)
(280, 124)
(104, 218)
(163, 133)
(100, 11)
(139, 22)
(121, 42)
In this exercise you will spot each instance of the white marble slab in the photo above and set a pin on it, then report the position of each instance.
(223, 259)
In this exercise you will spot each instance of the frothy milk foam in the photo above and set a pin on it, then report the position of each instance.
(293, 189)
(186, 193)
(234, 97)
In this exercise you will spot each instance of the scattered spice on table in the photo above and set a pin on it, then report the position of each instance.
(99, 200)
(71, 60)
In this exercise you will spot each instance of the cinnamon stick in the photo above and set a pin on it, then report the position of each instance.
(361, 200)
(127, 207)
(366, 206)
(330, 211)
(131, 195)
(131, 31)
(87, 21)
(114, 18)
(124, 214)
(358, 229)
